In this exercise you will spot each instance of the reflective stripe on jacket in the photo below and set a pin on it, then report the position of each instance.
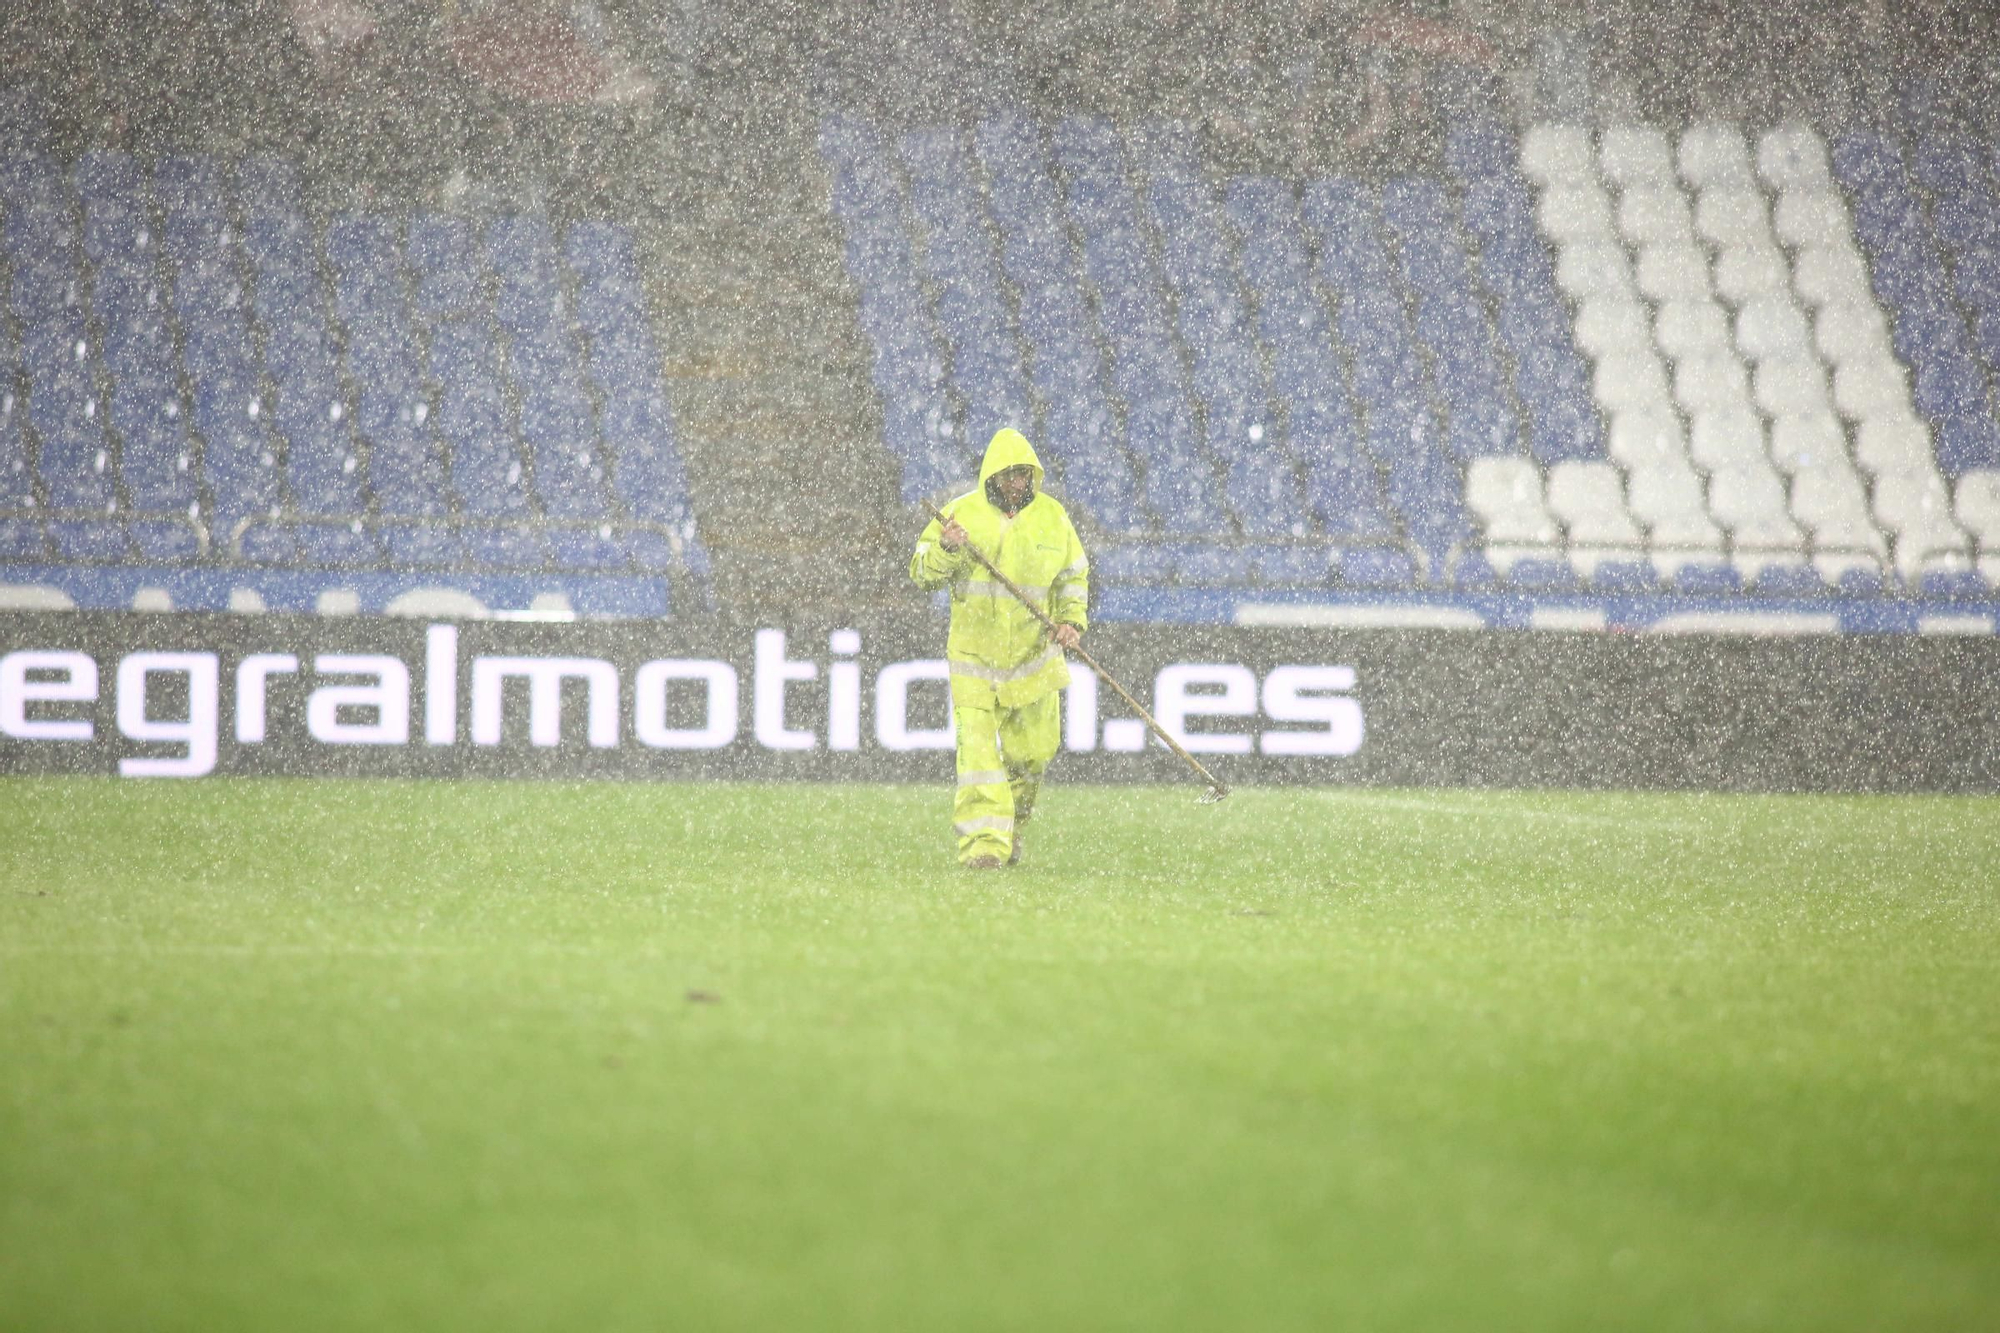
(998, 651)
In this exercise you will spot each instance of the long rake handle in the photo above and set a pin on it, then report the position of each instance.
(978, 555)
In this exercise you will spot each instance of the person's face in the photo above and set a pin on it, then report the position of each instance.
(1013, 483)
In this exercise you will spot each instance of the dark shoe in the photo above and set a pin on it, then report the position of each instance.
(1014, 856)
(984, 863)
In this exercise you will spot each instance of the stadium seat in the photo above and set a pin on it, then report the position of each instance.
(1636, 156)
(1691, 327)
(1376, 568)
(1976, 504)
(1541, 574)
(1606, 324)
(1668, 502)
(1648, 436)
(1749, 501)
(1554, 155)
(1729, 435)
(1784, 579)
(1953, 584)
(1706, 578)
(1894, 443)
(1588, 498)
(1793, 156)
(1800, 443)
(1673, 271)
(1713, 154)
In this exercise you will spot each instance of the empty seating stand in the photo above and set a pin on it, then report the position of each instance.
(1637, 346)
(207, 376)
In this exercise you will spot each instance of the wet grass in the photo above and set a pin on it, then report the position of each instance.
(494, 1056)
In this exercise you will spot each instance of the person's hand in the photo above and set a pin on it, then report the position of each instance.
(951, 535)
(1069, 636)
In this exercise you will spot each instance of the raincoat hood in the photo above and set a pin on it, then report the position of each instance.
(1009, 448)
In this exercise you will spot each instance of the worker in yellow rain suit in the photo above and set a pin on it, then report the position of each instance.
(1006, 672)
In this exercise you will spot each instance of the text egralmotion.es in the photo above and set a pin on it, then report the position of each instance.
(172, 702)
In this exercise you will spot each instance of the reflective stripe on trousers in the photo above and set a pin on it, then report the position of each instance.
(1001, 754)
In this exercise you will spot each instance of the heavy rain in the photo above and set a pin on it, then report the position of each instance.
(1112, 664)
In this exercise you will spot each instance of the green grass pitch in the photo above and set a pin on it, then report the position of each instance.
(290, 1055)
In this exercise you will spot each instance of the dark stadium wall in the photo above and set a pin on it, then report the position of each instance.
(864, 700)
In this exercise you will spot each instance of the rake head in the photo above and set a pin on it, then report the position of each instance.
(1213, 795)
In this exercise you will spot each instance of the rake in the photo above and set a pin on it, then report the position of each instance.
(1216, 790)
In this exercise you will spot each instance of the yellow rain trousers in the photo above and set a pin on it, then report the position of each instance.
(1006, 674)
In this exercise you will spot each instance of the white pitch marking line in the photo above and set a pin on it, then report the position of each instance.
(1434, 807)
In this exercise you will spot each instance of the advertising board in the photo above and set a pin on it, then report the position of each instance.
(191, 696)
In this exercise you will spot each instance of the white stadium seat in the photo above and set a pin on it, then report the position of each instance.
(1742, 272)
(1577, 213)
(1728, 437)
(1891, 444)
(1975, 502)
(1714, 153)
(1631, 379)
(1829, 273)
(1792, 155)
(1688, 327)
(1791, 386)
(1868, 387)
(1553, 155)
(1814, 440)
(1833, 506)
(1729, 217)
(1846, 331)
(1916, 507)
(1635, 155)
(1807, 218)
(1669, 503)
(1772, 325)
(1749, 501)
(1589, 499)
(1655, 215)
(1673, 272)
(1647, 438)
(1606, 323)
(1506, 494)
(1593, 268)
(1711, 380)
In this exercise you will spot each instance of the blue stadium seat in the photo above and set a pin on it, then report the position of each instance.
(650, 552)
(163, 542)
(1296, 566)
(505, 548)
(1954, 584)
(1541, 574)
(1143, 563)
(23, 540)
(1216, 566)
(420, 546)
(1700, 578)
(1788, 580)
(1376, 568)
(337, 545)
(585, 549)
(97, 541)
(1862, 583)
(1624, 577)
